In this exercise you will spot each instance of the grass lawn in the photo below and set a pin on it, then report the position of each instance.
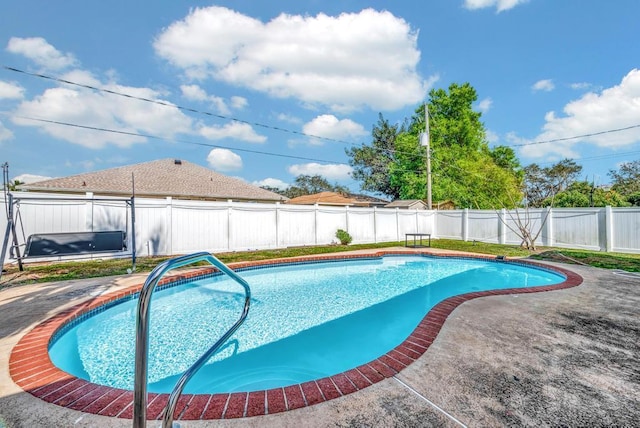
(45, 272)
(627, 262)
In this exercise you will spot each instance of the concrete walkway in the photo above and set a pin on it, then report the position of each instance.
(562, 358)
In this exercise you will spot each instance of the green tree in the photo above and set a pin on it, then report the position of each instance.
(626, 180)
(584, 194)
(634, 199)
(505, 157)
(308, 185)
(371, 163)
(542, 184)
(407, 171)
(464, 168)
(452, 120)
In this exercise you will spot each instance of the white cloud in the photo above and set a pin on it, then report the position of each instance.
(284, 117)
(30, 178)
(329, 126)
(84, 77)
(500, 5)
(41, 52)
(329, 171)
(485, 105)
(239, 103)
(543, 85)
(196, 93)
(333, 61)
(580, 85)
(235, 130)
(101, 110)
(11, 91)
(70, 104)
(613, 108)
(224, 160)
(5, 134)
(271, 182)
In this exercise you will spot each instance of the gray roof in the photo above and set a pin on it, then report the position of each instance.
(403, 203)
(160, 178)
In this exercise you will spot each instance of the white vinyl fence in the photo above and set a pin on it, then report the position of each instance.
(171, 226)
(599, 229)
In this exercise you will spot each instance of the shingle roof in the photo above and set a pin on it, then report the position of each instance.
(323, 198)
(367, 198)
(403, 203)
(160, 178)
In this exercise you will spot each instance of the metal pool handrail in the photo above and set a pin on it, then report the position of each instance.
(142, 336)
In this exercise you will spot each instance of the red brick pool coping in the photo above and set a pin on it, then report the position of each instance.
(32, 370)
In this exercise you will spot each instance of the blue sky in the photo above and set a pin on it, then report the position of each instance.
(289, 70)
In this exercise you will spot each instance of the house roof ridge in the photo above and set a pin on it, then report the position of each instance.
(161, 177)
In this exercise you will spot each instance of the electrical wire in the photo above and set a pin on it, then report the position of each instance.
(167, 104)
(155, 137)
(576, 137)
(271, 127)
(598, 157)
(193, 110)
(175, 140)
(420, 171)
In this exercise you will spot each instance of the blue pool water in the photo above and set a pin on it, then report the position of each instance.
(306, 322)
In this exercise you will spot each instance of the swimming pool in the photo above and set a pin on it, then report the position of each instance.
(307, 321)
(31, 368)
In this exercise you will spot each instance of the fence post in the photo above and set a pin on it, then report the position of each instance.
(315, 223)
(277, 223)
(502, 226)
(434, 223)
(346, 216)
(465, 224)
(229, 215)
(89, 213)
(608, 221)
(549, 228)
(397, 224)
(169, 221)
(375, 225)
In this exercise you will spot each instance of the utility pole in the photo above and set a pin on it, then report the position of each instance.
(425, 140)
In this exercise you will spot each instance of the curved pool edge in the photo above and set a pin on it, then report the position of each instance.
(32, 370)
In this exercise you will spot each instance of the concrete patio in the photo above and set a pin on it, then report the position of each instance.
(560, 358)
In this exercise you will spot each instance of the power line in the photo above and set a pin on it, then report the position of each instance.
(175, 140)
(482, 177)
(193, 110)
(189, 109)
(271, 127)
(590, 158)
(155, 137)
(265, 153)
(555, 140)
(479, 176)
(167, 104)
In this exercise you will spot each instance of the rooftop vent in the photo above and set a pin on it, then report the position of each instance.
(177, 161)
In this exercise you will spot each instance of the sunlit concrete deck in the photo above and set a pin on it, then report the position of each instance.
(566, 357)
